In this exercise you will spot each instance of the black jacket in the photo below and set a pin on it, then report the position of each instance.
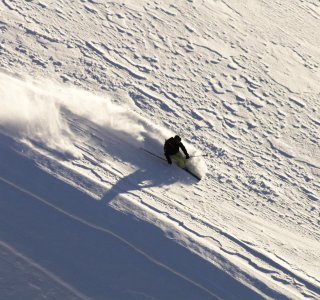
(171, 147)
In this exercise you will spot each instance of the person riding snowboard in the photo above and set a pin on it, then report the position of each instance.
(171, 151)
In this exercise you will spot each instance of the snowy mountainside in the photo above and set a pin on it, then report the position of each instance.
(85, 85)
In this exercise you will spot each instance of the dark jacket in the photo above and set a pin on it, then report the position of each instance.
(171, 147)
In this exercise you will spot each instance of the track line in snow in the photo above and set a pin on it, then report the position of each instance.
(251, 255)
(224, 48)
(107, 231)
(275, 267)
(37, 266)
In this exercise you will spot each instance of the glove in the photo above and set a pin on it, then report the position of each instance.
(187, 156)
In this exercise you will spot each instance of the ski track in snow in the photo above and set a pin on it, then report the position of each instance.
(239, 81)
(104, 230)
(26, 265)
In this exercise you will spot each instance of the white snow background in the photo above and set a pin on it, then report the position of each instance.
(85, 213)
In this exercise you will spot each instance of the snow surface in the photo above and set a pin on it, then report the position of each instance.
(85, 214)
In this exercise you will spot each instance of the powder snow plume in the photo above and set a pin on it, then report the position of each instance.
(35, 112)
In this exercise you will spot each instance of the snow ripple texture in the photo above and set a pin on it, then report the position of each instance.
(85, 84)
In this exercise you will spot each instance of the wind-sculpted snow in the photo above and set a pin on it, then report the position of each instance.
(86, 84)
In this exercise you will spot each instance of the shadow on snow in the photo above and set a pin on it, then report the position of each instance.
(95, 249)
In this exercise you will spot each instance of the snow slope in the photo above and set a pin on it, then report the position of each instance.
(85, 214)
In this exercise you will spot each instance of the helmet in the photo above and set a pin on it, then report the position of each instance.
(177, 139)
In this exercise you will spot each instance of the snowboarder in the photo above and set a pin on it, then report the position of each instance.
(171, 151)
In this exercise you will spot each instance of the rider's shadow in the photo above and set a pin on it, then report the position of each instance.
(139, 180)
